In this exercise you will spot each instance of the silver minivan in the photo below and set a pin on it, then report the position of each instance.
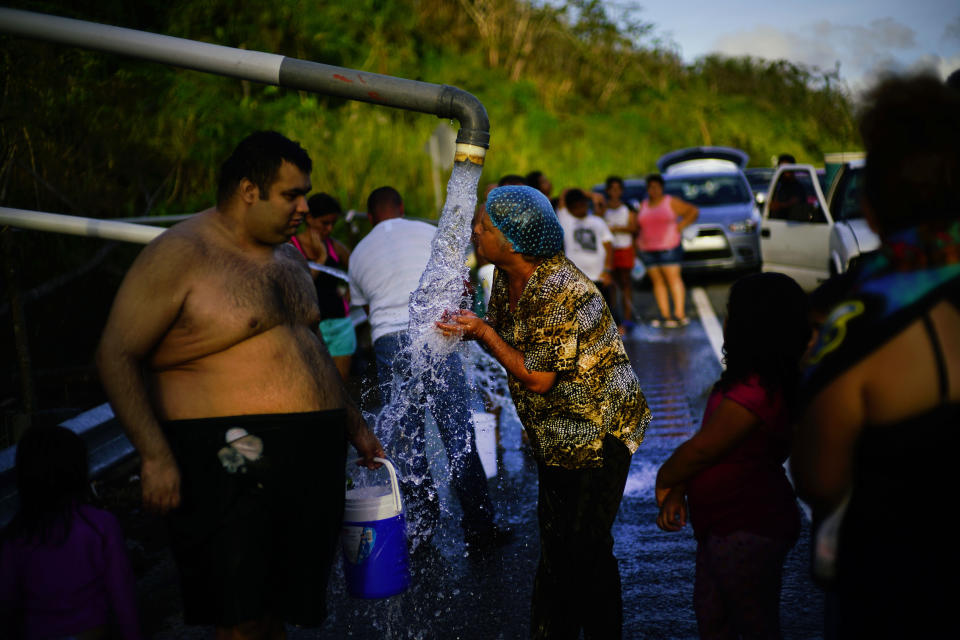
(725, 235)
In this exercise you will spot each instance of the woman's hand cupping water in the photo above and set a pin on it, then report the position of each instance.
(464, 323)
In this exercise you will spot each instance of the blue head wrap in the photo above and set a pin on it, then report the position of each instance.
(526, 218)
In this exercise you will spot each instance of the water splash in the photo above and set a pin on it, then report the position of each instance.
(441, 290)
(486, 376)
(441, 286)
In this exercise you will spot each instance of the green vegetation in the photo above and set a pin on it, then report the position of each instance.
(569, 89)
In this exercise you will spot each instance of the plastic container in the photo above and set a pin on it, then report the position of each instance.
(485, 426)
(374, 540)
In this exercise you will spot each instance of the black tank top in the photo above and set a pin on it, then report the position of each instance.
(898, 551)
(330, 289)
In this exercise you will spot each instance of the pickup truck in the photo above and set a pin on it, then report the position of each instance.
(807, 235)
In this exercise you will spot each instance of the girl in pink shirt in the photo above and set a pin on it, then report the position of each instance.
(742, 507)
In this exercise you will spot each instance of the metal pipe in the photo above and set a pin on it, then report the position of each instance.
(441, 100)
(175, 217)
(79, 226)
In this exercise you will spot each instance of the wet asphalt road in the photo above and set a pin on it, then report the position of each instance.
(456, 595)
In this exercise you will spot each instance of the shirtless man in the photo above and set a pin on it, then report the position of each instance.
(213, 365)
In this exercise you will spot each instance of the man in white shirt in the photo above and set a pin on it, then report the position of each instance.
(588, 243)
(385, 268)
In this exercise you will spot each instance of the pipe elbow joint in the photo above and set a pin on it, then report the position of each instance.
(469, 111)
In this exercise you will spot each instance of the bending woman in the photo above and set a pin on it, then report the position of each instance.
(661, 220)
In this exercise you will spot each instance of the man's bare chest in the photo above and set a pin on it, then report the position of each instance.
(238, 296)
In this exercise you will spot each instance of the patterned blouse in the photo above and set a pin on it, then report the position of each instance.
(562, 324)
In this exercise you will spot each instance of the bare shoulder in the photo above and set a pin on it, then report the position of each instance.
(166, 264)
(901, 378)
(182, 243)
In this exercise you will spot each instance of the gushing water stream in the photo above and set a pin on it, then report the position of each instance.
(442, 283)
(440, 290)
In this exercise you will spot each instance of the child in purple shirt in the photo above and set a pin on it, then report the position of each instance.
(63, 565)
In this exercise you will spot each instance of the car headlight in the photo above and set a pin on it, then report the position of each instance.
(744, 226)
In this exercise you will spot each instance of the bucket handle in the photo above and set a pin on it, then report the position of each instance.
(394, 483)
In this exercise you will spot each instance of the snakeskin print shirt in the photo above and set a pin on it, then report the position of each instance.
(562, 324)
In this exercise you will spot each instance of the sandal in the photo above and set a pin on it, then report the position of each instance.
(671, 324)
(656, 323)
(684, 321)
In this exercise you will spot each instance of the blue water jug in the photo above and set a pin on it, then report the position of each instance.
(374, 540)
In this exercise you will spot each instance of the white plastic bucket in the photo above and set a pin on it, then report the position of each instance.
(374, 540)
(485, 426)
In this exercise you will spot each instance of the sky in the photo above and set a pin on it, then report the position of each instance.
(865, 37)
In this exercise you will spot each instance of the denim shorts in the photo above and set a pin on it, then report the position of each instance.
(661, 258)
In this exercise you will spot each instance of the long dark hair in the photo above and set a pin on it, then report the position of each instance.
(767, 332)
(52, 479)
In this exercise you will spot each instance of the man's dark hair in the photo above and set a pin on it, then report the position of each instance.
(911, 131)
(533, 179)
(512, 179)
(257, 158)
(383, 197)
(786, 158)
(655, 177)
(574, 197)
(321, 204)
(611, 180)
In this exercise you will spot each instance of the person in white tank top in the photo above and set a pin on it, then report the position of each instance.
(621, 218)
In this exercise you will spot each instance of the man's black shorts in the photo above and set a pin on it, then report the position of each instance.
(261, 510)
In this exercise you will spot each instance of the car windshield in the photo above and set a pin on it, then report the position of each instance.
(759, 179)
(709, 191)
(634, 193)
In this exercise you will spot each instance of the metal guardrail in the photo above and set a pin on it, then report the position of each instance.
(79, 226)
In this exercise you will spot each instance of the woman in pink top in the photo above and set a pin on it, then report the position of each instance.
(661, 220)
